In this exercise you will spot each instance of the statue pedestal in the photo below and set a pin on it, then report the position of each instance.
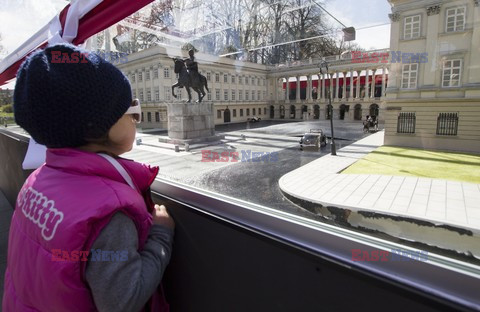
(190, 123)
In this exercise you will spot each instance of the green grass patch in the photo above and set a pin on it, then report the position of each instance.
(398, 161)
(9, 117)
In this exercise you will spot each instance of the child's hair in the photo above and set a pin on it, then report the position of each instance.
(65, 96)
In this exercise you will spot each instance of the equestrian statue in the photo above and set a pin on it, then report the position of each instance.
(189, 77)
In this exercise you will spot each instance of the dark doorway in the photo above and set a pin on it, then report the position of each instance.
(282, 112)
(357, 114)
(226, 115)
(292, 111)
(328, 112)
(374, 110)
(272, 111)
(342, 111)
(316, 112)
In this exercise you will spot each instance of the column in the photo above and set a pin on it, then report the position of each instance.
(324, 93)
(287, 90)
(275, 88)
(344, 92)
(384, 70)
(367, 84)
(337, 85)
(153, 86)
(351, 95)
(474, 71)
(309, 88)
(431, 37)
(359, 73)
(330, 86)
(372, 93)
(297, 95)
(395, 34)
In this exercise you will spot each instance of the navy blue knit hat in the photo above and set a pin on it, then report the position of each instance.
(65, 95)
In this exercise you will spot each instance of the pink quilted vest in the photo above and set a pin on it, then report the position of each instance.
(64, 205)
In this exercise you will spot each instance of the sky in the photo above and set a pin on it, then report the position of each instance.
(364, 13)
(19, 19)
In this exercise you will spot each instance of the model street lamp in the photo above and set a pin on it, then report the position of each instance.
(324, 69)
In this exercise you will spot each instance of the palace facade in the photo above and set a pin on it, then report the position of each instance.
(433, 99)
(241, 90)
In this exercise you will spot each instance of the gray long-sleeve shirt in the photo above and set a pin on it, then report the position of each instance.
(127, 285)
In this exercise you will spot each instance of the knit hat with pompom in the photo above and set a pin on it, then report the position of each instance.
(65, 95)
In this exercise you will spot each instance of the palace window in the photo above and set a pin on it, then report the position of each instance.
(409, 76)
(451, 74)
(447, 124)
(455, 19)
(406, 122)
(411, 28)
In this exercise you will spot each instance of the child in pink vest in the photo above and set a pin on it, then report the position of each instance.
(85, 234)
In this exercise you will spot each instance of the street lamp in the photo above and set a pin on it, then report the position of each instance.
(324, 68)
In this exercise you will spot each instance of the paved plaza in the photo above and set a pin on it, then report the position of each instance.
(435, 212)
(434, 200)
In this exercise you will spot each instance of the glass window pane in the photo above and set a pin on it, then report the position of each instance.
(262, 44)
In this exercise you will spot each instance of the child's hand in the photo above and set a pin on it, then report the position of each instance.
(161, 217)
